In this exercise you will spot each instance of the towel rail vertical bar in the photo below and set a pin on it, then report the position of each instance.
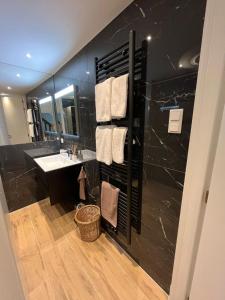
(96, 64)
(142, 91)
(130, 130)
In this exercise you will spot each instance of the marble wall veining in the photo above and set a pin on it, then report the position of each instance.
(19, 174)
(165, 157)
(175, 30)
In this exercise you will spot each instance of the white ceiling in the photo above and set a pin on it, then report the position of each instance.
(52, 31)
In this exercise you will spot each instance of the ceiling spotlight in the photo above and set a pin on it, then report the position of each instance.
(148, 38)
(88, 72)
(180, 66)
(18, 75)
(9, 88)
(28, 55)
(47, 93)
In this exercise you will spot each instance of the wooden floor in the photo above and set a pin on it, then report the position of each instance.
(55, 264)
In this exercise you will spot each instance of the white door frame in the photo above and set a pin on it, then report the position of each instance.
(10, 284)
(209, 103)
(209, 272)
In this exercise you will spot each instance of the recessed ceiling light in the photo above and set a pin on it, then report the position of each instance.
(180, 66)
(9, 87)
(18, 75)
(47, 93)
(148, 38)
(28, 55)
(3, 94)
(88, 72)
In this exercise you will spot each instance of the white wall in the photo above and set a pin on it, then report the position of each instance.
(15, 116)
(4, 140)
(208, 109)
(208, 282)
(10, 286)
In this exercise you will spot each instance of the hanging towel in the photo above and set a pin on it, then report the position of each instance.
(82, 181)
(31, 130)
(104, 143)
(118, 142)
(103, 92)
(29, 116)
(119, 97)
(109, 202)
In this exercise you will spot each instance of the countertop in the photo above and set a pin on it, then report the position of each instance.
(40, 152)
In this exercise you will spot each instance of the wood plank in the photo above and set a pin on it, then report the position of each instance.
(111, 271)
(54, 264)
(144, 281)
(24, 236)
(32, 271)
(40, 293)
(77, 273)
(58, 282)
(42, 231)
(99, 278)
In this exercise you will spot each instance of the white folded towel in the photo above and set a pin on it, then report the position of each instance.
(29, 116)
(31, 130)
(104, 143)
(103, 93)
(118, 142)
(119, 97)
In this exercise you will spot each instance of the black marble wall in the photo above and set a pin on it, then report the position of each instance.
(175, 27)
(165, 157)
(21, 182)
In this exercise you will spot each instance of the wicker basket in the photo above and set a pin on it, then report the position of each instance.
(88, 221)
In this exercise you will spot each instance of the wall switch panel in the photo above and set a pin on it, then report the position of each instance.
(175, 120)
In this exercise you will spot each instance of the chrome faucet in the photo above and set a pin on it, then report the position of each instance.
(69, 152)
(80, 154)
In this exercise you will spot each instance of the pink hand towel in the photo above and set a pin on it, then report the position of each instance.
(82, 181)
(109, 202)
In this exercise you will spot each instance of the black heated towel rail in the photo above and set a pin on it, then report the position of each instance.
(127, 176)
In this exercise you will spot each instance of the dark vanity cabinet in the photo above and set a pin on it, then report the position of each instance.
(60, 185)
(63, 186)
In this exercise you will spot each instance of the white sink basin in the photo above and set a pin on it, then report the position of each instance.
(54, 162)
(59, 161)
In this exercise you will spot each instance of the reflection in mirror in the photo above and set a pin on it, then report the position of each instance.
(47, 115)
(16, 86)
(67, 111)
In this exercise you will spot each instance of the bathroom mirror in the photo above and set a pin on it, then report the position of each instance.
(67, 111)
(18, 88)
(47, 115)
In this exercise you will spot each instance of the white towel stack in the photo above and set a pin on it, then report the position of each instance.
(29, 116)
(118, 142)
(103, 92)
(111, 102)
(119, 97)
(31, 130)
(104, 143)
(110, 141)
(111, 98)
